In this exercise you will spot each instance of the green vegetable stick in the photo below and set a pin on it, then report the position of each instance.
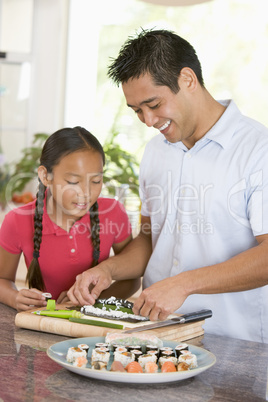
(95, 322)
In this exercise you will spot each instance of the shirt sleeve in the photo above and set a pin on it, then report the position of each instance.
(9, 238)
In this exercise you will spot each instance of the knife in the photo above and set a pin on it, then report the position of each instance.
(183, 319)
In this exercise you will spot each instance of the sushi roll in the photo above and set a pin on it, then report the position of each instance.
(121, 349)
(101, 345)
(84, 346)
(136, 338)
(130, 348)
(125, 357)
(75, 352)
(80, 361)
(153, 352)
(180, 347)
(137, 354)
(102, 349)
(100, 356)
(165, 349)
(151, 347)
(188, 358)
(143, 359)
(47, 295)
(163, 359)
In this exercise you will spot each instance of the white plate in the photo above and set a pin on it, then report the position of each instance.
(58, 351)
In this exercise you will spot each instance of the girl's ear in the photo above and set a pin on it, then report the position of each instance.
(43, 175)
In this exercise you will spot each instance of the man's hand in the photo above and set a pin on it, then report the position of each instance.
(89, 285)
(161, 299)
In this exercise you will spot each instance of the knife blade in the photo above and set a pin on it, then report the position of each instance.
(183, 319)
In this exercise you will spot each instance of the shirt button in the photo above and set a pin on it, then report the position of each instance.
(175, 262)
(73, 250)
(70, 237)
(188, 156)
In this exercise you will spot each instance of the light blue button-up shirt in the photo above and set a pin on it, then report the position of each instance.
(206, 205)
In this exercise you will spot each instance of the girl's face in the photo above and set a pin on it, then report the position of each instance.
(75, 185)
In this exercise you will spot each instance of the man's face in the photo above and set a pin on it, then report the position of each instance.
(157, 106)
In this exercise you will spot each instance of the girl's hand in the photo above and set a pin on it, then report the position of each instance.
(27, 299)
(63, 297)
(89, 285)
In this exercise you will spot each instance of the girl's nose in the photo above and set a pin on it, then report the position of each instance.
(83, 191)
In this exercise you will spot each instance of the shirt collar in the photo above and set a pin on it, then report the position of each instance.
(223, 129)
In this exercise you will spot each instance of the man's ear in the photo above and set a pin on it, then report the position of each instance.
(43, 175)
(188, 79)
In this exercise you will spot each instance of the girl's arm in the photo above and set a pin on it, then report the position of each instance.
(24, 299)
(129, 264)
(125, 288)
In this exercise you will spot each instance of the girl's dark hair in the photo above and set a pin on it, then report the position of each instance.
(58, 145)
(160, 53)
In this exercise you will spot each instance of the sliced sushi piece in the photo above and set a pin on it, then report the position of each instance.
(134, 367)
(143, 359)
(98, 365)
(75, 352)
(125, 357)
(150, 367)
(80, 361)
(117, 366)
(168, 367)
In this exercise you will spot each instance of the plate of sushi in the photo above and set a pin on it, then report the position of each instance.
(131, 358)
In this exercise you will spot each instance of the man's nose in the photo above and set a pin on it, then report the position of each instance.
(149, 118)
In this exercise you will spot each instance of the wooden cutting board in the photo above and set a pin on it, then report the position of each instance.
(59, 326)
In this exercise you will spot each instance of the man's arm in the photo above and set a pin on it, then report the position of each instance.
(245, 271)
(130, 263)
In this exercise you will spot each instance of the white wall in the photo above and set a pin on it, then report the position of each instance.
(49, 47)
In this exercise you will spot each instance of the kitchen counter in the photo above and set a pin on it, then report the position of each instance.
(28, 374)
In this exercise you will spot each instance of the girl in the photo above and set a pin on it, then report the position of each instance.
(68, 229)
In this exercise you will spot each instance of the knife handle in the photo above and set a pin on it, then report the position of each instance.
(196, 316)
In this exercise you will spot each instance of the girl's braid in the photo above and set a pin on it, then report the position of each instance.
(95, 233)
(34, 275)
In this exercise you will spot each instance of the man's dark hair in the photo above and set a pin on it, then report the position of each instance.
(160, 53)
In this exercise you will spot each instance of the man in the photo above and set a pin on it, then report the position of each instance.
(204, 192)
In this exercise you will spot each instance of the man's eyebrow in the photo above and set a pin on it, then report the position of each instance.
(144, 102)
